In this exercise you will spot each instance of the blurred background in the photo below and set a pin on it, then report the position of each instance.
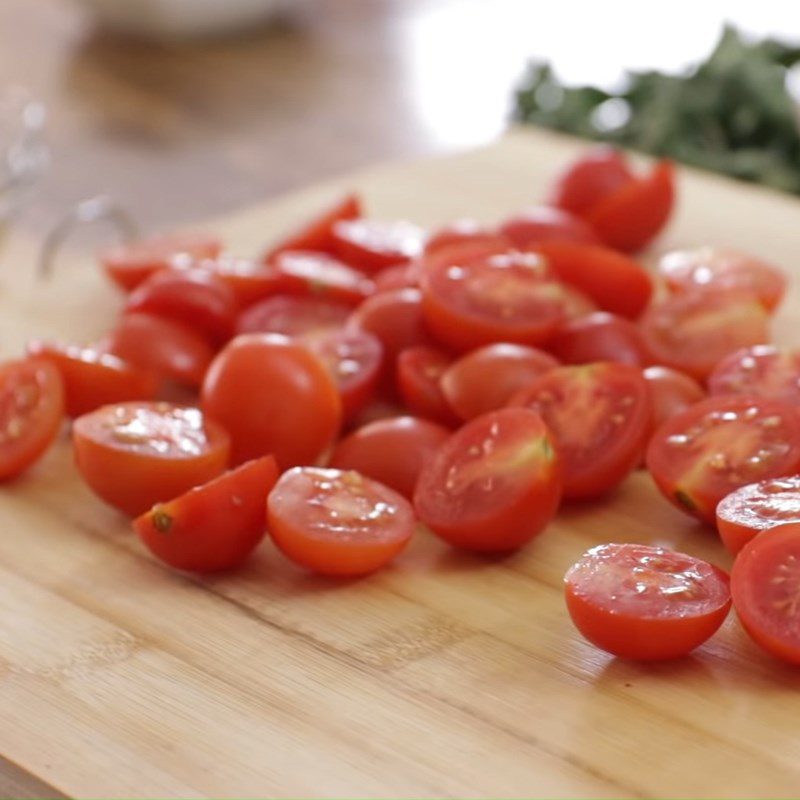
(182, 109)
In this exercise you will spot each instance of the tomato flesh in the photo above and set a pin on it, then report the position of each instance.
(372, 245)
(419, 370)
(761, 370)
(544, 224)
(321, 275)
(248, 279)
(599, 336)
(293, 316)
(671, 392)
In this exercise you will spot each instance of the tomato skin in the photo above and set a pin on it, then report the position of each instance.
(671, 392)
(391, 451)
(418, 372)
(318, 274)
(498, 499)
(372, 245)
(762, 370)
(293, 316)
(401, 276)
(338, 523)
(92, 379)
(486, 379)
(274, 396)
(647, 624)
(215, 526)
(599, 172)
(115, 458)
(464, 231)
(545, 224)
(599, 336)
(31, 409)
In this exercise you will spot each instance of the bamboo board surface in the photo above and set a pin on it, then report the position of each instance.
(446, 675)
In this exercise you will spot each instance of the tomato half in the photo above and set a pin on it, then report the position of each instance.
(494, 484)
(646, 603)
(293, 316)
(599, 336)
(757, 507)
(31, 408)
(464, 231)
(372, 245)
(717, 445)
(338, 523)
(418, 372)
(215, 526)
(600, 417)
(134, 455)
(401, 276)
(545, 224)
(762, 370)
(319, 274)
(671, 392)
(248, 279)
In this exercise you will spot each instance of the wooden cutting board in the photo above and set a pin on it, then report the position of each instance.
(446, 675)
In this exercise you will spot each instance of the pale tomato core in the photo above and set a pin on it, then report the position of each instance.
(161, 430)
(20, 394)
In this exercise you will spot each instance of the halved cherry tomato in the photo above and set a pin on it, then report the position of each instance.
(646, 603)
(418, 372)
(762, 370)
(131, 263)
(31, 408)
(401, 276)
(338, 523)
(168, 348)
(614, 281)
(546, 224)
(215, 526)
(274, 396)
(248, 279)
(599, 336)
(293, 316)
(485, 379)
(671, 392)
(92, 379)
(465, 231)
(692, 332)
(372, 245)
(134, 455)
(717, 445)
(576, 303)
(317, 234)
(750, 510)
(494, 484)
(719, 269)
(600, 417)
(391, 451)
(322, 275)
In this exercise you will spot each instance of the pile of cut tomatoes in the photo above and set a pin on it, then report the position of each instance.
(363, 376)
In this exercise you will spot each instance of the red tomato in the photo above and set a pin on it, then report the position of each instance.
(670, 392)
(757, 507)
(485, 379)
(599, 172)
(92, 379)
(31, 407)
(418, 372)
(134, 455)
(764, 585)
(338, 523)
(372, 245)
(718, 269)
(131, 263)
(494, 484)
(599, 336)
(762, 370)
(323, 276)
(576, 303)
(274, 396)
(293, 316)
(646, 603)
(249, 280)
(694, 331)
(600, 417)
(193, 297)
(717, 445)
(464, 231)
(317, 234)
(215, 526)
(401, 276)
(546, 224)
(391, 451)
(612, 280)
(159, 345)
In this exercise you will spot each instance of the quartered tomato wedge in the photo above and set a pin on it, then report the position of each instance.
(599, 336)
(717, 445)
(494, 484)
(646, 603)
(372, 245)
(419, 370)
(600, 418)
(134, 455)
(762, 370)
(464, 231)
(671, 392)
(293, 316)
(757, 507)
(336, 522)
(322, 275)
(215, 526)
(546, 224)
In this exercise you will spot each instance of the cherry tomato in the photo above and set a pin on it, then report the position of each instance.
(372, 245)
(293, 316)
(31, 408)
(718, 269)
(317, 234)
(167, 348)
(599, 336)
(717, 445)
(600, 417)
(391, 451)
(670, 392)
(757, 507)
(418, 372)
(401, 276)
(323, 276)
(131, 263)
(485, 379)
(215, 526)
(134, 455)
(494, 484)
(612, 280)
(762, 370)
(338, 523)
(546, 224)
(464, 231)
(598, 173)
(646, 603)
(92, 379)
(694, 331)
(248, 279)
(576, 303)
(274, 396)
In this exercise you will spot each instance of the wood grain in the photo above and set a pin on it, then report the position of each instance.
(446, 675)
